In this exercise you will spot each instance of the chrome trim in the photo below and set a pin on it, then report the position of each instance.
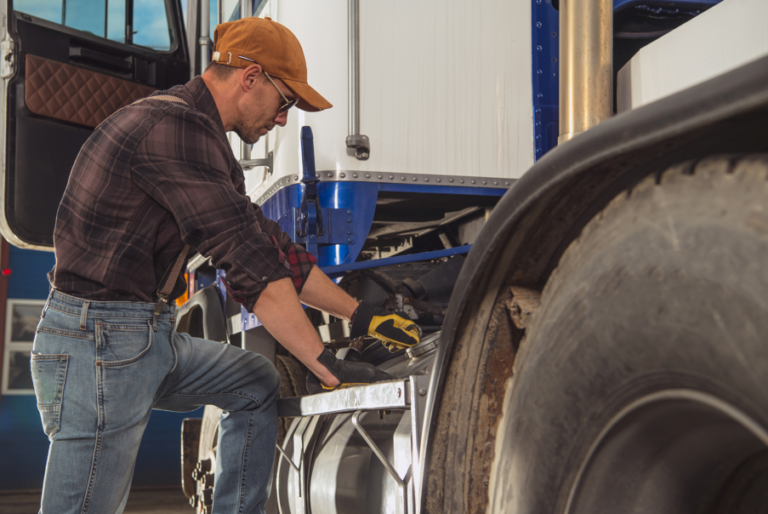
(429, 343)
(252, 163)
(206, 45)
(355, 140)
(586, 65)
(246, 9)
(287, 458)
(389, 395)
(353, 18)
(390, 178)
(383, 459)
(197, 261)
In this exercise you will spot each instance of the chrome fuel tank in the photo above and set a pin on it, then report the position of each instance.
(360, 461)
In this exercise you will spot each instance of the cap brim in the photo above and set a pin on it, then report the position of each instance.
(310, 100)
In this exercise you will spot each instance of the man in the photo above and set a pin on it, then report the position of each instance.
(154, 177)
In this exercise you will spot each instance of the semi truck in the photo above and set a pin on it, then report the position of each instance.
(569, 197)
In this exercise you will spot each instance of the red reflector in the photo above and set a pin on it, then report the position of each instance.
(6, 272)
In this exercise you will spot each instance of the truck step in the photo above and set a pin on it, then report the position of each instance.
(390, 395)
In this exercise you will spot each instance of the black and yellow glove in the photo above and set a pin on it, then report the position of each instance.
(348, 373)
(396, 332)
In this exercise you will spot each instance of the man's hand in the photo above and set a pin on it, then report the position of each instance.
(347, 373)
(396, 332)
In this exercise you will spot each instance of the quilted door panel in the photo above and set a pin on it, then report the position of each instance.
(68, 93)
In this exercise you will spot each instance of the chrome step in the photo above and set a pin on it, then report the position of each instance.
(390, 395)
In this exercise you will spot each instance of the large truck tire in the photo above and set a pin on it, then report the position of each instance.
(641, 384)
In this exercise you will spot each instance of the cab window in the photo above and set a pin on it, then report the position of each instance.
(110, 19)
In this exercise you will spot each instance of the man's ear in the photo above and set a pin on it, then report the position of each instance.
(250, 76)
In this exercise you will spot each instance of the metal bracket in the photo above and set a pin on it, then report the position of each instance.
(7, 58)
(252, 163)
(361, 145)
(383, 459)
(303, 434)
(287, 458)
(419, 389)
(391, 395)
(338, 228)
(310, 218)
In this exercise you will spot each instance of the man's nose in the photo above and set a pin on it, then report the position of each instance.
(281, 119)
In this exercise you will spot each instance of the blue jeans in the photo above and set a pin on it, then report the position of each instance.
(99, 368)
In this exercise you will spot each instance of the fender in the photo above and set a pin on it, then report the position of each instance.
(547, 208)
(202, 317)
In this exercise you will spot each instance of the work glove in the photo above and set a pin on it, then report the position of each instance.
(348, 373)
(395, 332)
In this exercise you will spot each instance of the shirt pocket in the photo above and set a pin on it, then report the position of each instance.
(49, 374)
(123, 344)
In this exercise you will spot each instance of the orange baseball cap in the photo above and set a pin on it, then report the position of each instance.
(263, 41)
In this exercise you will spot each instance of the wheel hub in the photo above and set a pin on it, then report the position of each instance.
(675, 452)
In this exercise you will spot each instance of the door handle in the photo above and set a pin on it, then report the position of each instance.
(86, 54)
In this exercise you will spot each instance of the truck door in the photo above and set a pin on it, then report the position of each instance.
(65, 66)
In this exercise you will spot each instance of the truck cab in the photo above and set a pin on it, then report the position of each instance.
(566, 196)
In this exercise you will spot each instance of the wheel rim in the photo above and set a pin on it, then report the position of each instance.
(675, 451)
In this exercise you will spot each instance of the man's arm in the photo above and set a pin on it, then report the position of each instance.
(279, 310)
(323, 294)
(394, 331)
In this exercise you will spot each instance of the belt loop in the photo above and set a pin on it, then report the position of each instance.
(84, 315)
(45, 307)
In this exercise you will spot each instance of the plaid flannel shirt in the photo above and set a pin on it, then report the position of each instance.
(153, 177)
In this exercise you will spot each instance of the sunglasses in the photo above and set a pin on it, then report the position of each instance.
(288, 103)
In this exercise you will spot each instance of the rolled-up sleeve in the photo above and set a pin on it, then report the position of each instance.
(187, 168)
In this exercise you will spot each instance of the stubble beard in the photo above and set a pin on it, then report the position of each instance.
(248, 135)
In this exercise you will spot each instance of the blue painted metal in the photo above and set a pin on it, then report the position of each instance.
(28, 278)
(221, 289)
(340, 229)
(332, 271)
(445, 190)
(22, 442)
(545, 41)
(357, 197)
(360, 198)
(283, 201)
(310, 222)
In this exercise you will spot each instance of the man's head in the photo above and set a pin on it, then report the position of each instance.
(258, 72)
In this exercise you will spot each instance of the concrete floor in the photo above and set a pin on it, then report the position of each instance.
(143, 501)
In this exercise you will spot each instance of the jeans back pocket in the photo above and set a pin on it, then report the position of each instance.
(120, 345)
(49, 374)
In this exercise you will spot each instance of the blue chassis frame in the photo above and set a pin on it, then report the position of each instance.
(359, 198)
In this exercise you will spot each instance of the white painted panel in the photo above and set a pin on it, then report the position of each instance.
(728, 35)
(445, 87)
